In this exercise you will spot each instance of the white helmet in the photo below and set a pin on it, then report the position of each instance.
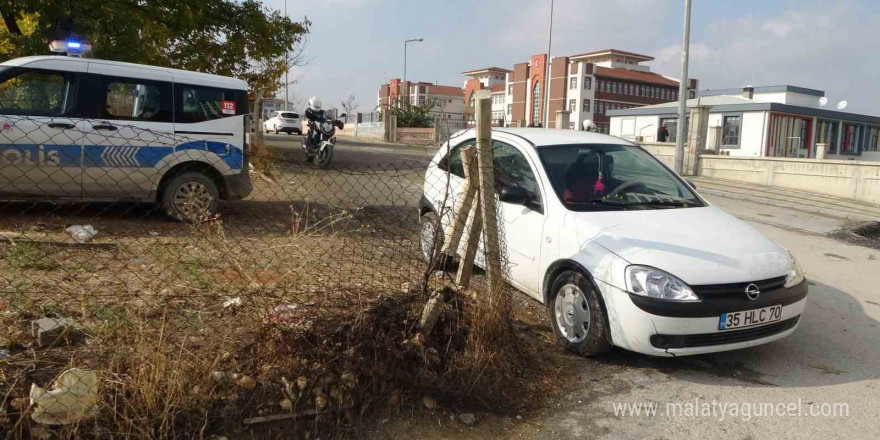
(589, 125)
(314, 103)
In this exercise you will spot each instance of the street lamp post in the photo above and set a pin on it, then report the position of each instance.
(680, 132)
(406, 89)
(547, 77)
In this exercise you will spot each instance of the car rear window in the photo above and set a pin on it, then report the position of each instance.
(289, 115)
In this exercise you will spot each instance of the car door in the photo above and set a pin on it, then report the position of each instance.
(522, 226)
(40, 141)
(130, 131)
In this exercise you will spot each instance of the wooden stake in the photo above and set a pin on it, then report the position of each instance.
(488, 207)
(472, 243)
(465, 202)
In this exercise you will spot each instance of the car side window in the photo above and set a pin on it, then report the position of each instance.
(136, 101)
(513, 169)
(36, 93)
(200, 104)
(452, 162)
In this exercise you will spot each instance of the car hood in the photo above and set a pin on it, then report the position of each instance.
(699, 245)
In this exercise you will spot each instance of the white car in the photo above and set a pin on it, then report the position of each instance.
(623, 251)
(283, 122)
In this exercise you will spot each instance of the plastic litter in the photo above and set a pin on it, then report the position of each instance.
(82, 233)
(72, 397)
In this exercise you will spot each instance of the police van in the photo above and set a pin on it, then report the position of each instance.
(88, 129)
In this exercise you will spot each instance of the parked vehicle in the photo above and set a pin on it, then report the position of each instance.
(283, 122)
(321, 138)
(88, 129)
(623, 251)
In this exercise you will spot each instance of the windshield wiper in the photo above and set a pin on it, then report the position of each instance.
(658, 202)
(602, 202)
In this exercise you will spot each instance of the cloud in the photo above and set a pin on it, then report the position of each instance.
(821, 45)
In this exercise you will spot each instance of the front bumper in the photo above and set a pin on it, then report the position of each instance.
(671, 334)
(237, 186)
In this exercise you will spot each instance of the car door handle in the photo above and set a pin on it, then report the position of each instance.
(62, 125)
(104, 127)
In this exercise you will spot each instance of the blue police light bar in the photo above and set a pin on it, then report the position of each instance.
(70, 48)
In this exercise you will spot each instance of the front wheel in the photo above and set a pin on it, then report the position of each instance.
(578, 315)
(190, 197)
(324, 156)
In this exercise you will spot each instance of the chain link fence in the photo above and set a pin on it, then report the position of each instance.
(140, 299)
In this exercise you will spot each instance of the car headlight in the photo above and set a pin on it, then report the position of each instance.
(654, 283)
(326, 126)
(795, 273)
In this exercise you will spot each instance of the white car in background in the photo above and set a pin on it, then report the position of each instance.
(622, 250)
(283, 122)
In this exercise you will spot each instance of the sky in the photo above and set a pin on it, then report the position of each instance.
(356, 45)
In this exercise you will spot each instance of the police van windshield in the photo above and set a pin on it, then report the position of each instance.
(613, 177)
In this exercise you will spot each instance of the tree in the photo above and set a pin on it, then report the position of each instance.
(412, 116)
(225, 37)
(349, 105)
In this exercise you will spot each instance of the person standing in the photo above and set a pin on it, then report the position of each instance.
(663, 134)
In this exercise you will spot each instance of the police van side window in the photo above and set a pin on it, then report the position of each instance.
(36, 93)
(200, 104)
(135, 100)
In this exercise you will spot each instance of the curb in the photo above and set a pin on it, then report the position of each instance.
(797, 207)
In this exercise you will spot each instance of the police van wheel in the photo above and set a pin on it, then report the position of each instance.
(190, 197)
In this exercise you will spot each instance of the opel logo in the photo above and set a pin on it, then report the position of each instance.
(753, 292)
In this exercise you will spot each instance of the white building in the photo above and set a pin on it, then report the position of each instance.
(775, 121)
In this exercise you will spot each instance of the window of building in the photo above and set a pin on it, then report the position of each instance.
(421, 99)
(788, 135)
(852, 138)
(510, 89)
(572, 105)
(826, 132)
(586, 106)
(873, 139)
(671, 128)
(730, 128)
(691, 94)
(587, 83)
(573, 83)
(509, 108)
(630, 89)
(536, 103)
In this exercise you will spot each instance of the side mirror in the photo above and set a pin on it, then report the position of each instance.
(691, 183)
(339, 124)
(343, 115)
(515, 195)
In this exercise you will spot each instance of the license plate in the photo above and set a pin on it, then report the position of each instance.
(749, 318)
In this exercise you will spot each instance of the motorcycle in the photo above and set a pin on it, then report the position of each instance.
(320, 141)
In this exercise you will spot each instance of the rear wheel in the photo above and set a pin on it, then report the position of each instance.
(190, 197)
(578, 315)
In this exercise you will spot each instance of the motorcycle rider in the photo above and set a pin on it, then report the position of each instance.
(315, 114)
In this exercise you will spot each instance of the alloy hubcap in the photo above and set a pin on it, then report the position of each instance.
(572, 313)
(193, 200)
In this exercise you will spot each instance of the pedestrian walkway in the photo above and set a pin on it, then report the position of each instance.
(798, 200)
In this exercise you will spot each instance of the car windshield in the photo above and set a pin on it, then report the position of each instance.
(289, 115)
(613, 177)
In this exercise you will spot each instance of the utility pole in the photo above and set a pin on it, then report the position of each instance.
(680, 132)
(547, 77)
(406, 89)
(286, 70)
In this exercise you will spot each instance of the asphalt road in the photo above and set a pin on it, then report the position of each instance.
(351, 153)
